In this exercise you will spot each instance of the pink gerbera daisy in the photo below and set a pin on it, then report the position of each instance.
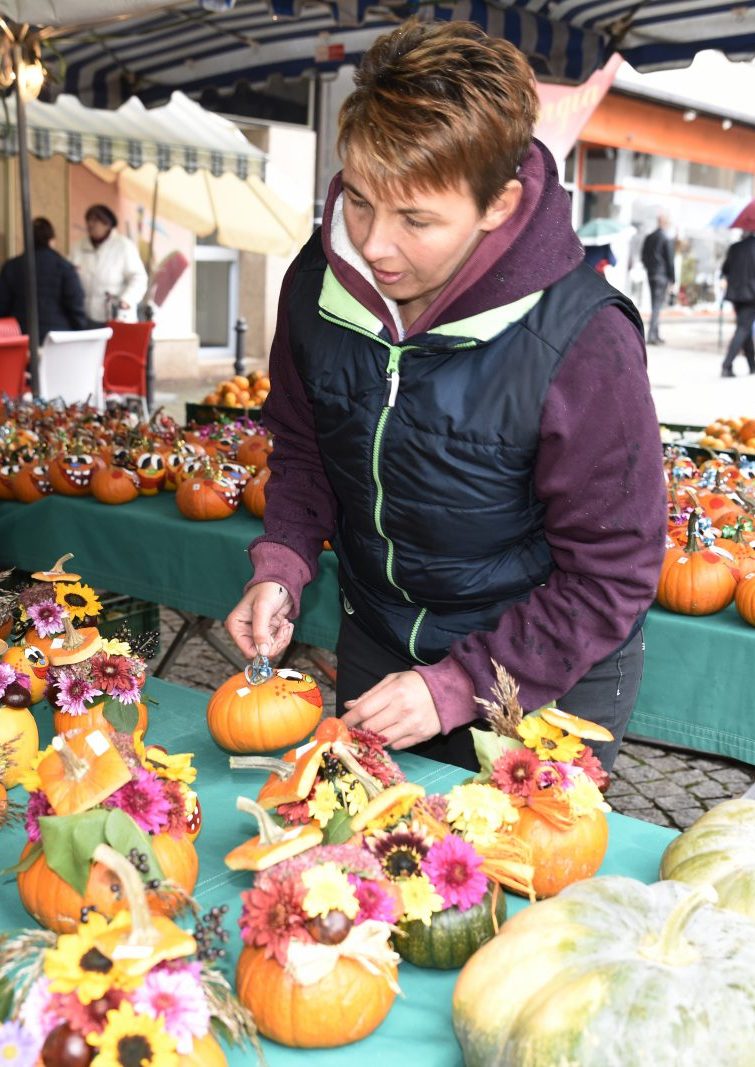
(453, 867)
(128, 693)
(73, 691)
(144, 799)
(110, 672)
(515, 772)
(47, 617)
(37, 806)
(374, 902)
(592, 767)
(176, 996)
(272, 914)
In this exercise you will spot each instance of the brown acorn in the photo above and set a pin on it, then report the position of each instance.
(16, 695)
(65, 1047)
(330, 929)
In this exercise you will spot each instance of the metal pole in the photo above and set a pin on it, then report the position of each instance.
(240, 360)
(30, 267)
(149, 314)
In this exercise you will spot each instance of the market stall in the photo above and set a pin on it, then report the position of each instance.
(418, 1028)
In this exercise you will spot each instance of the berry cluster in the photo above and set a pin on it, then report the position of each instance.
(207, 931)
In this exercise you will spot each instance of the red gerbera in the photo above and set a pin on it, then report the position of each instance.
(296, 813)
(273, 914)
(592, 767)
(110, 672)
(86, 1018)
(515, 772)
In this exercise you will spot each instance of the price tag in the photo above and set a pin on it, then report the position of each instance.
(57, 642)
(98, 742)
(244, 692)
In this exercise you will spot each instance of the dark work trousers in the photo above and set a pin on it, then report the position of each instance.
(606, 694)
(742, 339)
(658, 290)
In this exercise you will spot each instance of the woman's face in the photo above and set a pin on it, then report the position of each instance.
(97, 229)
(415, 243)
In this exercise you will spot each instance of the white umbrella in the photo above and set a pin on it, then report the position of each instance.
(55, 13)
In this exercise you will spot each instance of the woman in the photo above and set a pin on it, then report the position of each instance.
(462, 407)
(110, 269)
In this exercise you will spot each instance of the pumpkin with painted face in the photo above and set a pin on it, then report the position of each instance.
(31, 482)
(115, 485)
(150, 470)
(248, 716)
(71, 473)
(31, 661)
(207, 497)
(7, 472)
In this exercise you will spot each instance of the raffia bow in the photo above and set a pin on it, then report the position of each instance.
(367, 944)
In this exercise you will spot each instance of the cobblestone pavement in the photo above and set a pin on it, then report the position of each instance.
(650, 782)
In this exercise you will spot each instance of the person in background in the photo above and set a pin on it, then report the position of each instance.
(110, 268)
(658, 260)
(461, 406)
(60, 297)
(599, 257)
(739, 270)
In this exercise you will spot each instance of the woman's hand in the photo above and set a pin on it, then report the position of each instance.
(399, 707)
(259, 624)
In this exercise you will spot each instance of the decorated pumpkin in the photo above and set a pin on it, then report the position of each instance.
(718, 849)
(250, 714)
(31, 483)
(93, 718)
(20, 740)
(150, 472)
(612, 973)
(744, 598)
(695, 579)
(207, 497)
(114, 485)
(71, 473)
(254, 493)
(254, 451)
(31, 662)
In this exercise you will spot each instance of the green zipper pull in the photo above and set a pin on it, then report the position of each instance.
(392, 375)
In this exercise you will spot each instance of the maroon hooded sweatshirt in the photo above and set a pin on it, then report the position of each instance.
(598, 468)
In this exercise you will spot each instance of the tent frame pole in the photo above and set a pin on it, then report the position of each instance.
(30, 267)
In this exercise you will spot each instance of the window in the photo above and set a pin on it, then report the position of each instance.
(216, 299)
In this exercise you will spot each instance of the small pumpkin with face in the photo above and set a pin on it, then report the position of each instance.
(207, 497)
(31, 482)
(70, 473)
(115, 485)
(7, 472)
(31, 661)
(254, 493)
(150, 470)
(246, 717)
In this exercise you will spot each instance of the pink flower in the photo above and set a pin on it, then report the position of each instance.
(272, 914)
(7, 676)
(515, 772)
(47, 617)
(176, 822)
(73, 691)
(37, 805)
(144, 799)
(374, 902)
(453, 867)
(592, 767)
(127, 694)
(553, 775)
(86, 1018)
(176, 996)
(110, 673)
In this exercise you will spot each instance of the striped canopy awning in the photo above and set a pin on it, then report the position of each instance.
(192, 48)
(179, 134)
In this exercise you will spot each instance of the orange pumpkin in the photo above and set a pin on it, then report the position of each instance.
(254, 493)
(57, 906)
(80, 772)
(737, 544)
(115, 485)
(562, 856)
(93, 719)
(207, 497)
(71, 474)
(31, 483)
(720, 508)
(695, 580)
(745, 598)
(31, 661)
(7, 471)
(18, 730)
(261, 718)
(345, 1006)
(254, 451)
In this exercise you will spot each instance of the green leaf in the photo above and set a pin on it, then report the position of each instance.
(122, 833)
(122, 717)
(69, 842)
(488, 747)
(338, 830)
(6, 999)
(23, 865)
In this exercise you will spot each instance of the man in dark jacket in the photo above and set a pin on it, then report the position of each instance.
(60, 297)
(739, 271)
(658, 260)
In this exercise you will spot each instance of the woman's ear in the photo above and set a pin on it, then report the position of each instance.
(503, 207)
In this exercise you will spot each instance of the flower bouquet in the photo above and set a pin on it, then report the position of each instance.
(100, 788)
(542, 766)
(317, 969)
(135, 990)
(327, 781)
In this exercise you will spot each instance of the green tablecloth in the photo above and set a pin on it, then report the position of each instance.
(418, 1029)
(696, 687)
(147, 549)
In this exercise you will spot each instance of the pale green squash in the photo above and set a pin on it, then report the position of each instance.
(612, 973)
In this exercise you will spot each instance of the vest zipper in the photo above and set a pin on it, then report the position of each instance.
(413, 636)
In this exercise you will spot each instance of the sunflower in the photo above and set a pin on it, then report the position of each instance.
(400, 850)
(76, 965)
(550, 742)
(80, 600)
(131, 1040)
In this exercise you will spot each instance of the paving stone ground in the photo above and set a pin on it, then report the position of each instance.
(650, 782)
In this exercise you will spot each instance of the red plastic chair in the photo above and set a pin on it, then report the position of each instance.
(14, 359)
(125, 371)
(10, 328)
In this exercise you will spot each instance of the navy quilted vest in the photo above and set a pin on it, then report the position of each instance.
(429, 446)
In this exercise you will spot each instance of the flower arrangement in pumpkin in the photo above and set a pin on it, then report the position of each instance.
(136, 989)
(93, 788)
(19, 737)
(317, 969)
(327, 781)
(55, 595)
(552, 780)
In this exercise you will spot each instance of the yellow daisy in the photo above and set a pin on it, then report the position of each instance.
(130, 1039)
(478, 812)
(584, 797)
(353, 794)
(419, 899)
(176, 767)
(115, 648)
(549, 742)
(30, 778)
(328, 889)
(324, 803)
(77, 965)
(78, 599)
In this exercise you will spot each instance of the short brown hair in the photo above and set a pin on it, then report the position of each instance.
(436, 103)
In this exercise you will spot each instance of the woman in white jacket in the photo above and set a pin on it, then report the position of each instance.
(110, 268)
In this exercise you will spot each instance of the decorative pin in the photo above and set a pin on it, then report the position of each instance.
(258, 671)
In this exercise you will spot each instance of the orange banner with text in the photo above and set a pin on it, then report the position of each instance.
(566, 109)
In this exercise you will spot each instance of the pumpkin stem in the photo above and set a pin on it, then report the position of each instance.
(142, 931)
(57, 567)
(671, 946)
(693, 545)
(277, 766)
(75, 767)
(72, 639)
(343, 753)
(270, 832)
